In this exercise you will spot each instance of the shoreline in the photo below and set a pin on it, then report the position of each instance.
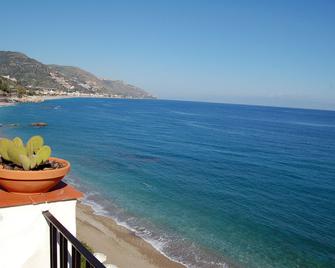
(122, 246)
(6, 104)
(37, 98)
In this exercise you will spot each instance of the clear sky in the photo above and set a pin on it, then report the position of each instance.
(260, 52)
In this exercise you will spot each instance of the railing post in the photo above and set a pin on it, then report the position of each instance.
(63, 251)
(78, 250)
(53, 246)
(76, 258)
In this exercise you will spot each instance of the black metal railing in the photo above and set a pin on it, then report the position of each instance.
(78, 258)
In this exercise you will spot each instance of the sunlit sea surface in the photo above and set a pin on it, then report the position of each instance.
(209, 185)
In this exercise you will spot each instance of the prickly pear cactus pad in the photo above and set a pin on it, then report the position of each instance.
(32, 156)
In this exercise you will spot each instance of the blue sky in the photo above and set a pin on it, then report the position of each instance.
(259, 52)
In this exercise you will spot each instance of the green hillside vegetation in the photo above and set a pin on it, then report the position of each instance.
(9, 88)
(38, 77)
(27, 71)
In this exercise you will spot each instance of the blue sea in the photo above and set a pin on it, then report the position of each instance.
(209, 185)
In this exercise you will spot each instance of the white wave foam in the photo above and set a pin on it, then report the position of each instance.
(158, 245)
(162, 242)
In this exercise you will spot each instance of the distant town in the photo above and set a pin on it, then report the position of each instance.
(23, 79)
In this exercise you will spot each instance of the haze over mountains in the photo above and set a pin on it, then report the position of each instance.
(24, 72)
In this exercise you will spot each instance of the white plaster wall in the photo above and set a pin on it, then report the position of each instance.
(24, 233)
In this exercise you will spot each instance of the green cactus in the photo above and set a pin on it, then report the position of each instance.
(33, 162)
(25, 162)
(14, 153)
(43, 154)
(4, 144)
(28, 157)
(34, 144)
(18, 142)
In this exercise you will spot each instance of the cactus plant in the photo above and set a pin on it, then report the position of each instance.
(4, 143)
(29, 157)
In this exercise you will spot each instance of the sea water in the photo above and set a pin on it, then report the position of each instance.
(209, 185)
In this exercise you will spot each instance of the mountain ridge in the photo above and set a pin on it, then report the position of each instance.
(41, 79)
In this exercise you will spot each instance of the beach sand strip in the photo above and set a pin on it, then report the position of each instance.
(122, 247)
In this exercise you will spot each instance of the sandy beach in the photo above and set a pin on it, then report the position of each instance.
(122, 247)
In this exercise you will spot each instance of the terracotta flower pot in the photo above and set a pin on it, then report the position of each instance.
(33, 181)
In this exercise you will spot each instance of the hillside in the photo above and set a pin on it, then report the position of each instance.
(42, 79)
(28, 72)
(9, 88)
(86, 80)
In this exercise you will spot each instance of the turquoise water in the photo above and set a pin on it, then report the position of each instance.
(210, 185)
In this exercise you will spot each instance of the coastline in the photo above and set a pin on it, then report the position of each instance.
(5, 104)
(122, 247)
(34, 99)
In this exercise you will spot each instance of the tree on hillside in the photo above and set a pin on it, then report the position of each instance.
(4, 87)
